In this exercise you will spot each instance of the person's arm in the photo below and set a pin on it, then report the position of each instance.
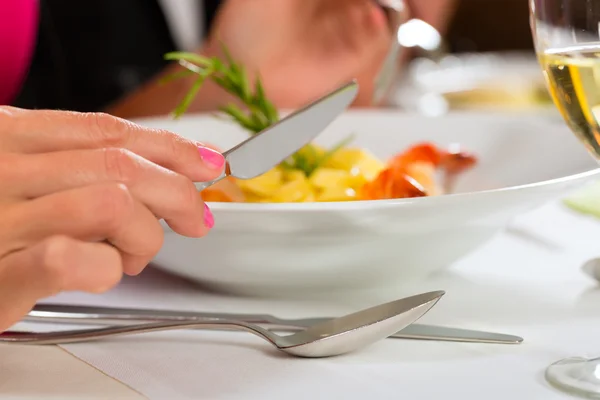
(156, 98)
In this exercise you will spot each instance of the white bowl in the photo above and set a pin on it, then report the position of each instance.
(278, 249)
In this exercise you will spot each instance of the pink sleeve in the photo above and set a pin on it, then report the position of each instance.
(18, 30)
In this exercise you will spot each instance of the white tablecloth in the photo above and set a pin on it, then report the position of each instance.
(527, 281)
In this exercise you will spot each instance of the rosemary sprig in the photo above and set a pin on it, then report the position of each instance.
(230, 76)
(259, 112)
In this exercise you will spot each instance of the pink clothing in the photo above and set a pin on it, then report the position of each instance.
(18, 30)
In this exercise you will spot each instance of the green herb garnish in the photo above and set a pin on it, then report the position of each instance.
(258, 112)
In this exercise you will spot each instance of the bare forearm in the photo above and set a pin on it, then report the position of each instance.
(157, 98)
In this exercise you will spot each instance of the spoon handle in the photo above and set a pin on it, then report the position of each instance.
(85, 335)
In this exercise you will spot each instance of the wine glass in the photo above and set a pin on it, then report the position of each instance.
(566, 35)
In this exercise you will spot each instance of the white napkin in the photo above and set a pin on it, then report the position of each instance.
(527, 281)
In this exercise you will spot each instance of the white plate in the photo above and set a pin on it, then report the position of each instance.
(472, 70)
(475, 81)
(277, 249)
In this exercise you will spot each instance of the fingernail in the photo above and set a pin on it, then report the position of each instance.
(212, 158)
(209, 220)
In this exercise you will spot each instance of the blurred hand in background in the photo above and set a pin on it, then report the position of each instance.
(300, 48)
(303, 48)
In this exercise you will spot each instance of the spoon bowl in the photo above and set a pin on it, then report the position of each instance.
(353, 331)
(330, 338)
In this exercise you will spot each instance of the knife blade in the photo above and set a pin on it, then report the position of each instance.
(97, 315)
(269, 147)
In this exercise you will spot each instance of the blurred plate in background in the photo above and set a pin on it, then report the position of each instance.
(482, 81)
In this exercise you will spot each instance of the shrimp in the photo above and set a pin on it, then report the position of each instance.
(411, 173)
(391, 183)
(453, 160)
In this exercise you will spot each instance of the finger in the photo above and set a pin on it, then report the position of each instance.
(56, 264)
(167, 194)
(376, 17)
(373, 31)
(42, 131)
(353, 25)
(103, 212)
(368, 17)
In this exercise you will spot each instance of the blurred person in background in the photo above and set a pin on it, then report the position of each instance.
(108, 55)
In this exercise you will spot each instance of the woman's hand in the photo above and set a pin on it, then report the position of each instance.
(81, 199)
(303, 48)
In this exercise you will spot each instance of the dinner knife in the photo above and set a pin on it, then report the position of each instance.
(96, 315)
(269, 147)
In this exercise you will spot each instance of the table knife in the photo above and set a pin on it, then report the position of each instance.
(95, 315)
(269, 147)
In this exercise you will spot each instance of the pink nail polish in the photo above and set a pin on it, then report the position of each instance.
(212, 158)
(209, 220)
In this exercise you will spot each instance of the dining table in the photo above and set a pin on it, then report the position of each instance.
(526, 281)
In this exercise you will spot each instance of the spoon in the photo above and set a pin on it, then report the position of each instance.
(330, 338)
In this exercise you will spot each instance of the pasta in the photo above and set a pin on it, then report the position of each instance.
(312, 174)
(349, 174)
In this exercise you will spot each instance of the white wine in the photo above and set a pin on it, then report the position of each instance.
(573, 78)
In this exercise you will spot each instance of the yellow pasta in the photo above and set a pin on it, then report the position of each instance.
(337, 194)
(359, 160)
(293, 175)
(324, 178)
(293, 191)
(338, 179)
(264, 185)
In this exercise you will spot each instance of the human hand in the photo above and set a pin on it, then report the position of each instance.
(303, 48)
(81, 199)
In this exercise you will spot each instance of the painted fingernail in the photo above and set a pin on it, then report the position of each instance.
(212, 158)
(209, 220)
